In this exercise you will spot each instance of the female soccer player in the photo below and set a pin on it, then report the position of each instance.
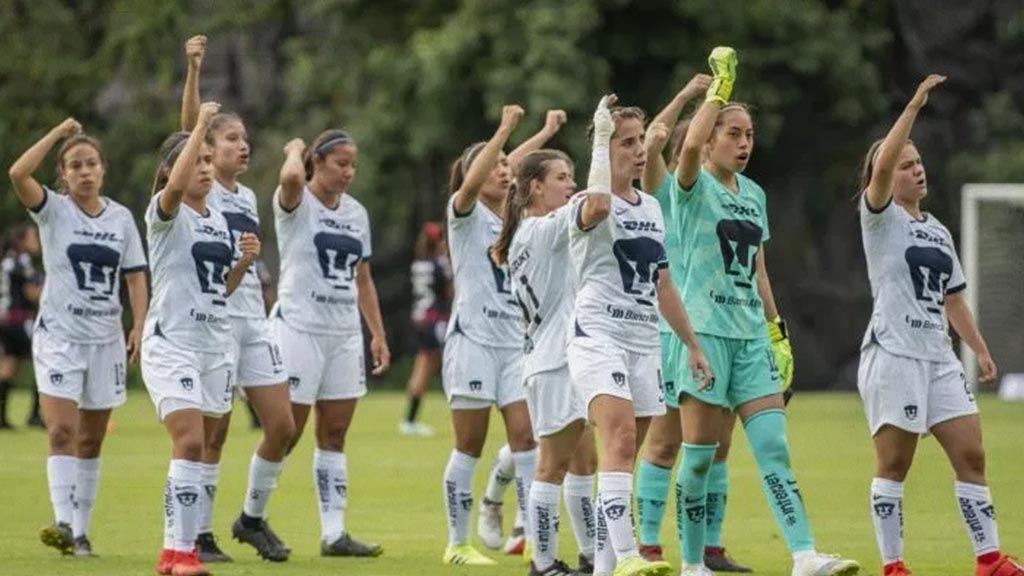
(722, 222)
(20, 288)
(257, 363)
(534, 245)
(323, 236)
(432, 294)
(186, 352)
(78, 344)
(618, 253)
(909, 378)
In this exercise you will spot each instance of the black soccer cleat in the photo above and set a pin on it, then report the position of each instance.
(83, 548)
(558, 568)
(209, 551)
(345, 545)
(586, 565)
(58, 536)
(257, 533)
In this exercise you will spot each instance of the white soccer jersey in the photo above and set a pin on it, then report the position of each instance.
(321, 249)
(913, 266)
(239, 210)
(190, 256)
(617, 263)
(84, 257)
(543, 282)
(485, 309)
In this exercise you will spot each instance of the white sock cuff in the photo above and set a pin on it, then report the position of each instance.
(463, 461)
(210, 473)
(974, 491)
(329, 457)
(505, 464)
(59, 461)
(545, 492)
(618, 481)
(578, 486)
(888, 488)
(526, 456)
(186, 471)
(89, 464)
(266, 465)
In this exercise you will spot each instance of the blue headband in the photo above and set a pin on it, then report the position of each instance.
(176, 150)
(329, 145)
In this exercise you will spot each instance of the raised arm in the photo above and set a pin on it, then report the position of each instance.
(28, 189)
(195, 49)
(962, 319)
(661, 127)
(723, 64)
(478, 172)
(884, 169)
(598, 201)
(553, 122)
(369, 305)
(293, 174)
(184, 168)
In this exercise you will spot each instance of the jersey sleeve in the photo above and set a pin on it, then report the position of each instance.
(576, 215)
(134, 259)
(43, 213)
(280, 214)
(762, 200)
(456, 220)
(872, 218)
(556, 228)
(155, 217)
(682, 195)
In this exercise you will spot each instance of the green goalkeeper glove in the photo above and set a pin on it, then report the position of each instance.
(723, 65)
(779, 337)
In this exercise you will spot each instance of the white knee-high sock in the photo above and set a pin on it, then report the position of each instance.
(263, 475)
(526, 469)
(615, 490)
(458, 495)
(887, 516)
(502, 474)
(604, 552)
(210, 480)
(979, 516)
(580, 505)
(330, 473)
(86, 487)
(544, 519)
(181, 504)
(61, 473)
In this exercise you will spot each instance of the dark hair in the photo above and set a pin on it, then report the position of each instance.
(327, 141)
(15, 236)
(169, 152)
(72, 142)
(621, 113)
(535, 166)
(461, 166)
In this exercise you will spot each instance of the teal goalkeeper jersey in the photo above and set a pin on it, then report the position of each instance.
(719, 234)
(672, 249)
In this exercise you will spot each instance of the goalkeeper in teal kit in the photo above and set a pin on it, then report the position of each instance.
(721, 220)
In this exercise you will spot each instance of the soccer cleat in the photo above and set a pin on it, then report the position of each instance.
(558, 568)
(465, 555)
(516, 543)
(166, 562)
(406, 428)
(586, 565)
(346, 545)
(489, 524)
(1005, 565)
(637, 566)
(696, 570)
(717, 560)
(652, 552)
(58, 536)
(208, 549)
(83, 548)
(188, 564)
(818, 564)
(262, 538)
(897, 568)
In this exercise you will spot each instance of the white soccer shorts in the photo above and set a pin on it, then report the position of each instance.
(258, 359)
(91, 375)
(321, 366)
(477, 376)
(911, 394)
(179, 379)
(600, 367)
(554, 401)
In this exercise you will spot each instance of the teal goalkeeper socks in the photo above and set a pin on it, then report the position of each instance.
(718, 489)
(652, 484)
(766, 432)
(691, 499)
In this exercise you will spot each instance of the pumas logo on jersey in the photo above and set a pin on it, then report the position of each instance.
(56, 378)
(187, 384)
(739, 241)
(910, 410)
(476, 385)
(930, 271)
(95, 269)
(619, 378)
(293, 382)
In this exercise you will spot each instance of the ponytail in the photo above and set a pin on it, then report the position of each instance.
(461, 166)
(169, 152)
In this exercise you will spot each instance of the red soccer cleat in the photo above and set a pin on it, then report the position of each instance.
(188, 564)
(1003, 565)
(897, 568)
(651, 553)
(166, 562)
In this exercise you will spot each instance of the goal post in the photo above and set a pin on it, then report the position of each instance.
(992, 254)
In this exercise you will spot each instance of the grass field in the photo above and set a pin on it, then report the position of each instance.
(395, 495)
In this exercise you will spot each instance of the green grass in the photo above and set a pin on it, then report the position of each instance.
(395, 495)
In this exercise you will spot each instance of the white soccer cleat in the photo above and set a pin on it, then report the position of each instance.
(818, 564)
(489, 524)
(696, 570)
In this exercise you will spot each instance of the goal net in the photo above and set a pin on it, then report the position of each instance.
(992, 253)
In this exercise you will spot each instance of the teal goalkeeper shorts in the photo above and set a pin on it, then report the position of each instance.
(669, 369)
(744, 370)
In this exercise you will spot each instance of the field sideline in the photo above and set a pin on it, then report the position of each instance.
(395, 495)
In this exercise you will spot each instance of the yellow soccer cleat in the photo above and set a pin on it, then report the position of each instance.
(466, 555)
(723, 62)
(637, 566)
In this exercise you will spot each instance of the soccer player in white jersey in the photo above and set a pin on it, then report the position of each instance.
(617, 247)
(78, 346)
(323, 236)
(909, 378)
(186, 349)
(534, 244)
(721, 218)
(258, 366)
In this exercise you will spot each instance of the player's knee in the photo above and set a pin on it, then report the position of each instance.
(332, 436)
(970, 464)
(661, 453)
(61, 437)
(724, 445)
(894, 466)
(521, 440)
(215, 442)
(620, 447)
(280, 431)
(189, 447)
(89, 446)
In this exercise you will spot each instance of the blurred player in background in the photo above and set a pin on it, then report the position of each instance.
(21, 284)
